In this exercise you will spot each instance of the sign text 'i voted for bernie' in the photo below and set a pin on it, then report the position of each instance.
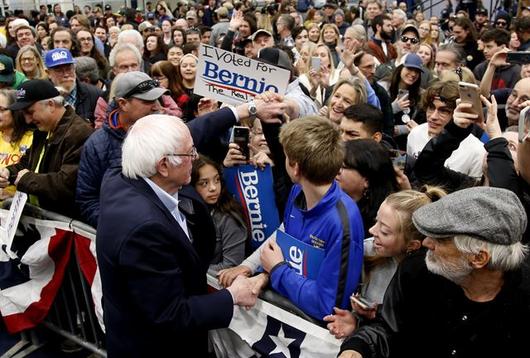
(234, 79)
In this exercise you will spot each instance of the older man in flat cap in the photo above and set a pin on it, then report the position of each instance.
(467, 295)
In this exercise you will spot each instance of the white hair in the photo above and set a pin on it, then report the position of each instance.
(133, 37)
(19, 22)
(149, 140)
(358, 32)
(503, 257)
(400, 13)
(121, 48)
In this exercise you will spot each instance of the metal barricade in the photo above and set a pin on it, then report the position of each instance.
(72, 314)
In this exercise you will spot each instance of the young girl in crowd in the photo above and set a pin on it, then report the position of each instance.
(188, 101)
(394, 236)
(231, 232)
(405, 92)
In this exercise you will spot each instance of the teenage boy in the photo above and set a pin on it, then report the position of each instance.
(317, 213)
(504, 76)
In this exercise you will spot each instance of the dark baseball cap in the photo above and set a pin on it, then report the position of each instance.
(276, 57)
(33, 91)
(7, 70)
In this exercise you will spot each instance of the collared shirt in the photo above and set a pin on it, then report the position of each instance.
(171, 202)
(71, 98)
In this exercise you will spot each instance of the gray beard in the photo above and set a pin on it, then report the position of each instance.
(453, 271)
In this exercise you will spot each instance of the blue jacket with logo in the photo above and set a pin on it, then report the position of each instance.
(322, 227)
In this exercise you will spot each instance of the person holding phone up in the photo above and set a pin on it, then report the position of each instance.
(257, 151)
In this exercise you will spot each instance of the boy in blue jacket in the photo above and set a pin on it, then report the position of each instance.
(318, 213)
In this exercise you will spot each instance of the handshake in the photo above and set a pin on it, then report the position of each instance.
(244, 289)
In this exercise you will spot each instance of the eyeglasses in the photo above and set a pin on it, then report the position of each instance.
(443, 112)
(142, 87)
(159, 77)
(501, 23)
(412, 40)
(193, 154)
(28, 59)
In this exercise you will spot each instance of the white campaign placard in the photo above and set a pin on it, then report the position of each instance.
(10, 224)
(235, 79)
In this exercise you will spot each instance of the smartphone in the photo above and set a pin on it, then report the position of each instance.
(402, 93)
(399, 158)
(361, 301)
(470, 93)
(315, 63)
(241, 137)
(524, 124)
(520, 57)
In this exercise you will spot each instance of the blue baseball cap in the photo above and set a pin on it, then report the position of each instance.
(58, 57)
(413, 61)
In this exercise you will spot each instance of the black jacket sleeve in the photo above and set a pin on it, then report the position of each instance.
(209, 130)
(429, 167)
(282, 182)
(501, 169)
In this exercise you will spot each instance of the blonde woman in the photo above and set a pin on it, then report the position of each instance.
(305, 57)
(425, 32)
(347, 92)
(318, 82)
(29, 62)
(330, 36)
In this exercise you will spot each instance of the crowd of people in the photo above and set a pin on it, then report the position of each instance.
(417, 197)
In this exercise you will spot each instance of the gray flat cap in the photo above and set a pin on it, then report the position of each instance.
(490, 214)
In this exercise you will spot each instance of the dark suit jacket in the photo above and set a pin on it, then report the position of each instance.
(154, 280)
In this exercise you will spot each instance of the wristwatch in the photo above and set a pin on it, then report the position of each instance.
(252, 110)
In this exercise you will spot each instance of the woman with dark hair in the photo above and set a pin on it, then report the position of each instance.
(87, 48)
(42, 31)
(16, 136)
(227, 214)
(166, 32)
(154, 49)
(300, 37)
(245, 25)
(405, 94)
(167, 75)
(179, 37)
(368, 177)
(465, 36)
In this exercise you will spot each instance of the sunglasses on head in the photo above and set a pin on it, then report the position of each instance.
(412, 40)
(142, 87)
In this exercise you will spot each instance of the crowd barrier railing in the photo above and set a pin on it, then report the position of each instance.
(76, 316)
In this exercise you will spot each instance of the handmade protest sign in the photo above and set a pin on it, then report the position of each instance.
(235, 79)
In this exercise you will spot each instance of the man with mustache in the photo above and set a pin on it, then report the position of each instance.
(467, 295)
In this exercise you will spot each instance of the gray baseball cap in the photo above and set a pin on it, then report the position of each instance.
(490, 214)
(138, 85)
